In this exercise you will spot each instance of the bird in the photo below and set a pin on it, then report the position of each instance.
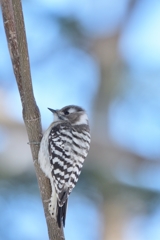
(63, 149)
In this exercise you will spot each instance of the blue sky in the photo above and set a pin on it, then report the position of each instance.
(140, 42)
(70, 75)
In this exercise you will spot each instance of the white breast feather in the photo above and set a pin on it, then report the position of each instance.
(43, 156)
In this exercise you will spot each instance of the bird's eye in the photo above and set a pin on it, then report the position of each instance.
(66, 112)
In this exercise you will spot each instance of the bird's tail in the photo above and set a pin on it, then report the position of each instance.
(61, 214)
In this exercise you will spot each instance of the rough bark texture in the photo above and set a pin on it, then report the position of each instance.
(16, 38)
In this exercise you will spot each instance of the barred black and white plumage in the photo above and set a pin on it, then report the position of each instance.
(63, 149)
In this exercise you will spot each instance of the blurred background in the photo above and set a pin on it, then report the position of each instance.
(104, 56)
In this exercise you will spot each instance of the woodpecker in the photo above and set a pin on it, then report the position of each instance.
(63, 149)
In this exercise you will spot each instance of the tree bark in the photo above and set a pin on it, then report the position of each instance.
(17, 43)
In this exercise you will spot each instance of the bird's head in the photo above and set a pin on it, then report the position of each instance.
(74, 114)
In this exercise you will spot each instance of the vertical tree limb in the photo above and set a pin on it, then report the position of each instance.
(16, 38)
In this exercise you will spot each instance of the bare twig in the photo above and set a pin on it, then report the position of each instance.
(16, 38)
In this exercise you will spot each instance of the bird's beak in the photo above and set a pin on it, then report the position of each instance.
(52, 110)
(56, 114)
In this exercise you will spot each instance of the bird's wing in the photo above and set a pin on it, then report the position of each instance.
(59, 146)
(68, 147)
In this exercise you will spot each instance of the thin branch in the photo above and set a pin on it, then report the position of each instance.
(16, 38)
